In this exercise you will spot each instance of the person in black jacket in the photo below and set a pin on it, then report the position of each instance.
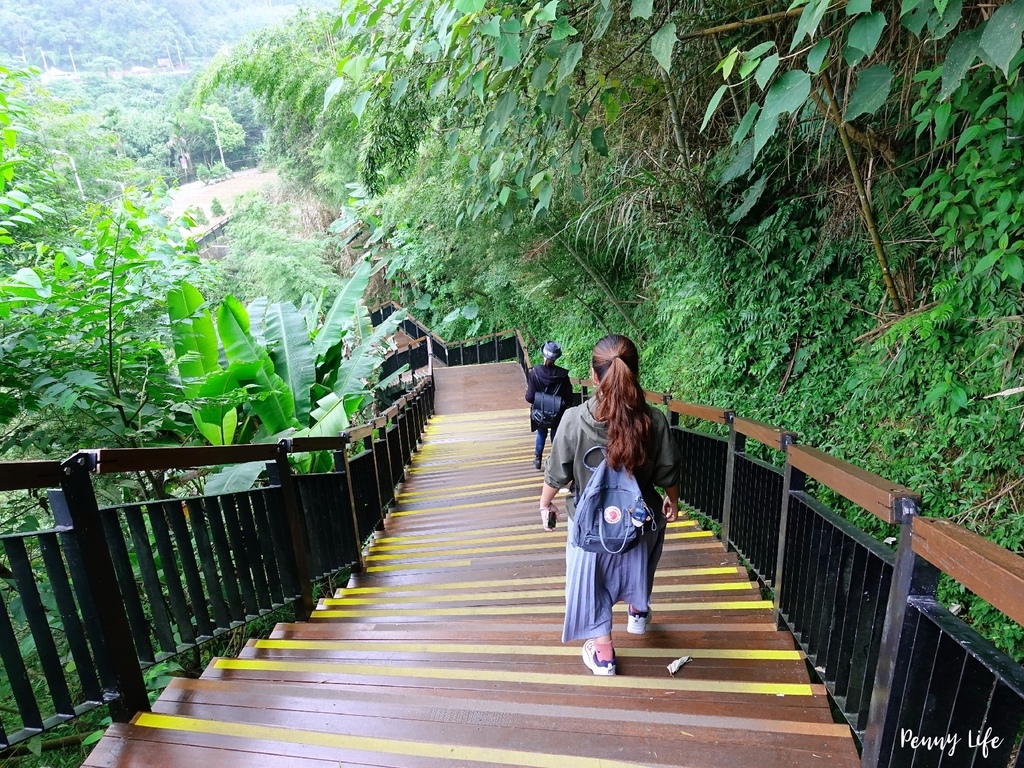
(550, 380)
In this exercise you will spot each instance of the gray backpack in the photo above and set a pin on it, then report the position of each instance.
(610, 512)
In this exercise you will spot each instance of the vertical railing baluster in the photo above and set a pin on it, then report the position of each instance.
(793, 481)
(197, 598)
(342, 467)
(265, 534)
(296, 531)
(913, 577)
(49, 547)
(214, 584)
(229, 573)
(17, 674)
(42, 635)
(171, 573)
(737, 442)
(126, 692)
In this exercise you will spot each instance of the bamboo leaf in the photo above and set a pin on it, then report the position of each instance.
(568, 62)
(873, 86)
(1002, 36)
(961, 55)
(713, 105)
(662, 43)
(641, 9)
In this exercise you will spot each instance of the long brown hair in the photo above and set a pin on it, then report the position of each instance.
(621, 402)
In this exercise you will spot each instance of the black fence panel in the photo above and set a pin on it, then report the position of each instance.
(365, 491)
(328, 511)
(508, 348)
(419, 357)
(702, 472)
(396, 462)
(470, 354)
(440, 351)
(835, 584)
(756, 513)
(487, 350)
(382, 459)
(955, 683)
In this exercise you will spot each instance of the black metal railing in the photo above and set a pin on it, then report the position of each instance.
(897, 664)
(108, 592)
(498, 347)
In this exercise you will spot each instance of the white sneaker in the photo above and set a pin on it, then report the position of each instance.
(603, 668)
(637, 623)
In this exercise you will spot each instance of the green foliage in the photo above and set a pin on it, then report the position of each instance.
(216, 207)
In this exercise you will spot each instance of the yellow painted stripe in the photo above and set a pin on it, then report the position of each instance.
(420, 469)
(455, 752)
(409, 505)
(421, 566)
(333, 602)
(515, 676)
(473, 505)
(525, 547)
(443, 418)
(666, 573)
(459, 488)
(529, 534)
(470, 535)
(522, 610)
(380, 646)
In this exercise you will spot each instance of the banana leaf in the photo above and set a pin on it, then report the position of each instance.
(273, 401)
(333, 414)
(195, 339)
(365, 358)
(234, 479)
(292, 354)
(341, 315)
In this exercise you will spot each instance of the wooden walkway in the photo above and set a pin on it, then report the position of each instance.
(447, 651)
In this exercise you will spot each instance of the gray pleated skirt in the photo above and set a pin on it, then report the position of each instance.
(594, 582)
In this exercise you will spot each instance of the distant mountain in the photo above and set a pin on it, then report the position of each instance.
(99, 35)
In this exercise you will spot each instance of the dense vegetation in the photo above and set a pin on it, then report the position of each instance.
(813, 215)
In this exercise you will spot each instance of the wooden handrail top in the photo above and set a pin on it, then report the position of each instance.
(865, 489)
(24, 475)
(360, 433)
(704, 412)
(993, 573)
(582, 382)
(656, 398)
(109, 460)
(773, 437)
(305, 444)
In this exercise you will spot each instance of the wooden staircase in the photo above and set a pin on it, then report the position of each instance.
(447, 652)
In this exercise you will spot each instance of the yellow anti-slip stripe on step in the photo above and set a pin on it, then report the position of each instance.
(528, 533)
(535, 594)
(660, 575)
(247, 733)
(475, 649)
(387, 542)
(535, 481)
(522, 486)
(471, 505)
(458, 466)
(530, 546)
(479, 415)
(516, 676)
(523, 610)
(428, 566)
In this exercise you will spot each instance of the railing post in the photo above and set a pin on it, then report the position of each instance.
(296, 528)
(382, 449)
(793, 481)
(737, 444)
(342, 468)
(913, 577)
(126, 691)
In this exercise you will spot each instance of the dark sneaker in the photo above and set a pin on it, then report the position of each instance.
(596, 666)
(536, 461)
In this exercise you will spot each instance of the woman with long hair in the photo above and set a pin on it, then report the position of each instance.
(635, 437)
